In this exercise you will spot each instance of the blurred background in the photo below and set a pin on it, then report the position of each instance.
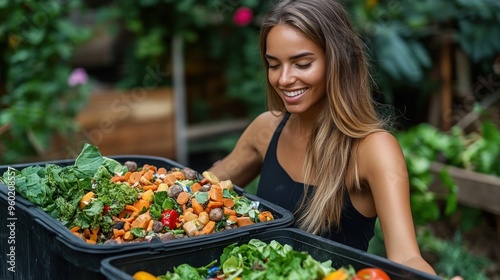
(182, 79)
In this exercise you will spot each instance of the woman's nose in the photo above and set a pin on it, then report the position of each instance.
(287, 77)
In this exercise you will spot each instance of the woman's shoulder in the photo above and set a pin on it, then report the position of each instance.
(379, 147)
(266, 120)
(380, 150)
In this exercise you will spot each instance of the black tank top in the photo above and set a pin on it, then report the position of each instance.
(276, 186)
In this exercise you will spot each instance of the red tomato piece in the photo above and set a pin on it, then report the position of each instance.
(371, 273)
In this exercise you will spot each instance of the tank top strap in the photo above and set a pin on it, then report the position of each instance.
(277, 132)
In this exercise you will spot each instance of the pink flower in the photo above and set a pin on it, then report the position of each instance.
(243, 16)
(78, 77)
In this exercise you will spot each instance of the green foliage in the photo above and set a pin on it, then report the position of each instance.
(454, 258)
(401, 36)
(423, 144)
(206, 26)
(38, 40)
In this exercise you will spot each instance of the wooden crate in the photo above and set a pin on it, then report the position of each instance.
(130, 122)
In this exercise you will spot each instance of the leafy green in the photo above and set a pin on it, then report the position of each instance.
(138, 232)
(424, 144)
(201, 197)
(259, 260)
(58, 189)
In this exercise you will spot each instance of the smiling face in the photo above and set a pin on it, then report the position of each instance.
(297, 69)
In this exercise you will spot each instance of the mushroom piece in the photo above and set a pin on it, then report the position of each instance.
(174, 191)
(131, 166)
(189, 173)
(216, 214)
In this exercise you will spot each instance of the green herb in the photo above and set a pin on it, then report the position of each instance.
(258, 260)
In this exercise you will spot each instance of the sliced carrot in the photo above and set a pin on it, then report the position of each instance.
(228, 202)
(179, 175)
(214, 204)
(124, 213)
(131, 218)
(196, 187)
(144, 168)
(232, 218)
(170, 179)
(183, 198)
(126, 176)
(119, 240)
(128, 236)
(150, 225)
(134, 177)
(215, 193)
(243, 221)
(161, 170)
(127, 226)
(142, 221)
(93, 237)
(208, 228)
(203, 181)
(95, 231)
(90, 241)
(229, 211)
(141, 204)
(131, 208)
(117, 178)
(150, 187)
(75, 229)
(149, 175)
(265, 216)
(198, 208)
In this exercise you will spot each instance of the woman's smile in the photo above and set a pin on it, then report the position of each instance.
(296, 69)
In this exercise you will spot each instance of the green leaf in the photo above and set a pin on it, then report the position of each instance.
(201, 197)
(89, 160)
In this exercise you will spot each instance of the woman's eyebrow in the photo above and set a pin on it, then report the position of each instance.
(300, 55)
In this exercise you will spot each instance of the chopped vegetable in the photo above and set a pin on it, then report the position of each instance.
(99, 199)
(259, 260)
(170, 218)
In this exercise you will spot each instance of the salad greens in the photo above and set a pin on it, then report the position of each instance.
(257, 260)
(58, 189)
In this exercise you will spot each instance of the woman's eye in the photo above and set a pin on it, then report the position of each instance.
(304, 66)
(271, 66)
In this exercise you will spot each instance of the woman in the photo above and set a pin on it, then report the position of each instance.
(322, 136)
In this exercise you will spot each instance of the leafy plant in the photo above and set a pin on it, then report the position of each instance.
(208, 27)
(402, 35)
(454, 258)
(422, 145)
(38, 41)
(475, 151)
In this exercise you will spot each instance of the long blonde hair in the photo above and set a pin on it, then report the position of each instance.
(348, 115)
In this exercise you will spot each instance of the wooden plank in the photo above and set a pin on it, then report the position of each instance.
(202, 131)
(140, 122)
(476, 190)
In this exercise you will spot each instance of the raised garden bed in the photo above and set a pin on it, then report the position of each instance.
(480, 191)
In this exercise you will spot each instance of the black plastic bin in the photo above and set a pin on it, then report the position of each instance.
(45, 249)
(159, 263)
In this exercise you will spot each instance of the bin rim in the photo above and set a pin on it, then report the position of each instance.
(336, 248)
(69, 240)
